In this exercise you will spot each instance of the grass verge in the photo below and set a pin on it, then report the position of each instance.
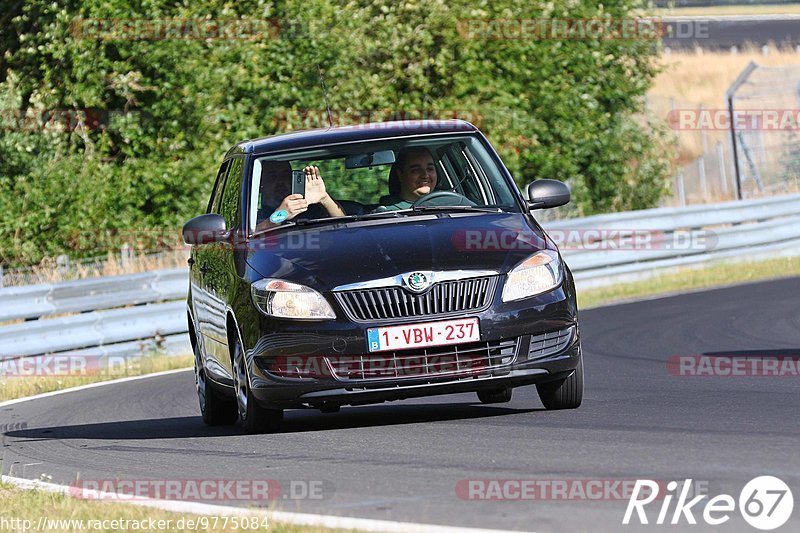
(691, 279)
(16, 381)
(64, 513)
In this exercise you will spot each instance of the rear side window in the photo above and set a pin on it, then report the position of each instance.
(230, 204)
(213, 203)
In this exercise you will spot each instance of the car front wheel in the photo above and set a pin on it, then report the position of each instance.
(563, 394)
(255, 419)
(216, 408)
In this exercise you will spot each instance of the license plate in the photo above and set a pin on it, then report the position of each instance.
(439, 333)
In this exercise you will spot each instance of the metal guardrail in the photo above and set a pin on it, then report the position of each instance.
(752, 229)
(155, 313)
(97, 328)
(35, 301)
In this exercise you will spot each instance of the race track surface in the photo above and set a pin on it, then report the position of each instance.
(404, 460)
(722, 33)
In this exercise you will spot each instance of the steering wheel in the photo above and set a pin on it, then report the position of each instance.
(443, 198)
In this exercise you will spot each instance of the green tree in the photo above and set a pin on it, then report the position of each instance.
(555, 108)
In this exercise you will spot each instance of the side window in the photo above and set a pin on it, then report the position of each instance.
(213, 203)
(229, 206)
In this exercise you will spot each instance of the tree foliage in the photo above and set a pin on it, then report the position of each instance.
(169, 108)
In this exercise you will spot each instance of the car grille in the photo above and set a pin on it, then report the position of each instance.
(443, 298)
(455, 361)
(549, 343)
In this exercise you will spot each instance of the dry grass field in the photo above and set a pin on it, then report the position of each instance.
(691, 79)
(48, 271)
(778, 9)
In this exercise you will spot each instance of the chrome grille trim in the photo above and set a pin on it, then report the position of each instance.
(435, 276)
(442, 299)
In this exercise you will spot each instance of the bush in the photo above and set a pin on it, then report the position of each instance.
(562, 109)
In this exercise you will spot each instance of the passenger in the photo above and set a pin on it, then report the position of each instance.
(413, 176)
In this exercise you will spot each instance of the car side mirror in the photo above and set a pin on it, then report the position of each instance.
(544, 194)
(205, 229)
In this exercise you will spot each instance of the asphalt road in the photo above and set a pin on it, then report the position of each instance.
(724, 32)
(403, 461)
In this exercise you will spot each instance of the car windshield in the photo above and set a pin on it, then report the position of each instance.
(385, 178)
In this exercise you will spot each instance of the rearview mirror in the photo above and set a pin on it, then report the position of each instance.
(372, 159)
(544, 194)
(205, 229)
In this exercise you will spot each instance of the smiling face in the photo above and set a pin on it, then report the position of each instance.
(417, 175)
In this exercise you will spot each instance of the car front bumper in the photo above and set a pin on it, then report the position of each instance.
(544, 332)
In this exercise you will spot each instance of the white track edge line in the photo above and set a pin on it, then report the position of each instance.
(299, 519)
(91, 386)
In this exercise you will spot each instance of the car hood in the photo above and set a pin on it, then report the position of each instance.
(328, 256)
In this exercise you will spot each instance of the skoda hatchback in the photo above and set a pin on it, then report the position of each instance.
(356, 265)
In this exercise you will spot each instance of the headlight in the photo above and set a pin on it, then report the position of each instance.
(282, 299)
(539, 273)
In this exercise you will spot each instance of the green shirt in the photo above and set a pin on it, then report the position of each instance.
(395, 203)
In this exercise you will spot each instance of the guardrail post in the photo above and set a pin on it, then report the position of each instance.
(681, 190)
(703, 132)
(723, 178)
(701, 171)
(62, 264)
(125, 255)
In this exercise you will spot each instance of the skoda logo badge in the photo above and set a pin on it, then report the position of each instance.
(417, 281)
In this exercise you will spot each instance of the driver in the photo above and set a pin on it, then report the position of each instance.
(413, 176)
(279, 204)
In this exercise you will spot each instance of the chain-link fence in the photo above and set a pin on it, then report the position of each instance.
(748, 148)
(764, 104)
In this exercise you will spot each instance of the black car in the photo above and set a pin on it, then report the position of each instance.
(416, 270)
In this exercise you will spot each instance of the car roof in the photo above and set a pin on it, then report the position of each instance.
(344, 134)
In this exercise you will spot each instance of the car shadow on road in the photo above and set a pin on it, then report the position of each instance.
(295, 421)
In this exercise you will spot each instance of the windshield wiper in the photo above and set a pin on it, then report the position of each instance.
(305, 222)
(473, 208)
(323, 220)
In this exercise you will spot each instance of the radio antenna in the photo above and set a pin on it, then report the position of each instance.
(325, 94)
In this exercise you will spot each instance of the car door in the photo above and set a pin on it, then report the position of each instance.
(201, 301)
(218, 273)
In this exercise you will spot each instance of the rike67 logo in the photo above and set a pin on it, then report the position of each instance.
(765, 503)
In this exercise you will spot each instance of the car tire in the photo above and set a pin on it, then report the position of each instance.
(255, 419)
(495, 395)
(563, 394)
(216, 408)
